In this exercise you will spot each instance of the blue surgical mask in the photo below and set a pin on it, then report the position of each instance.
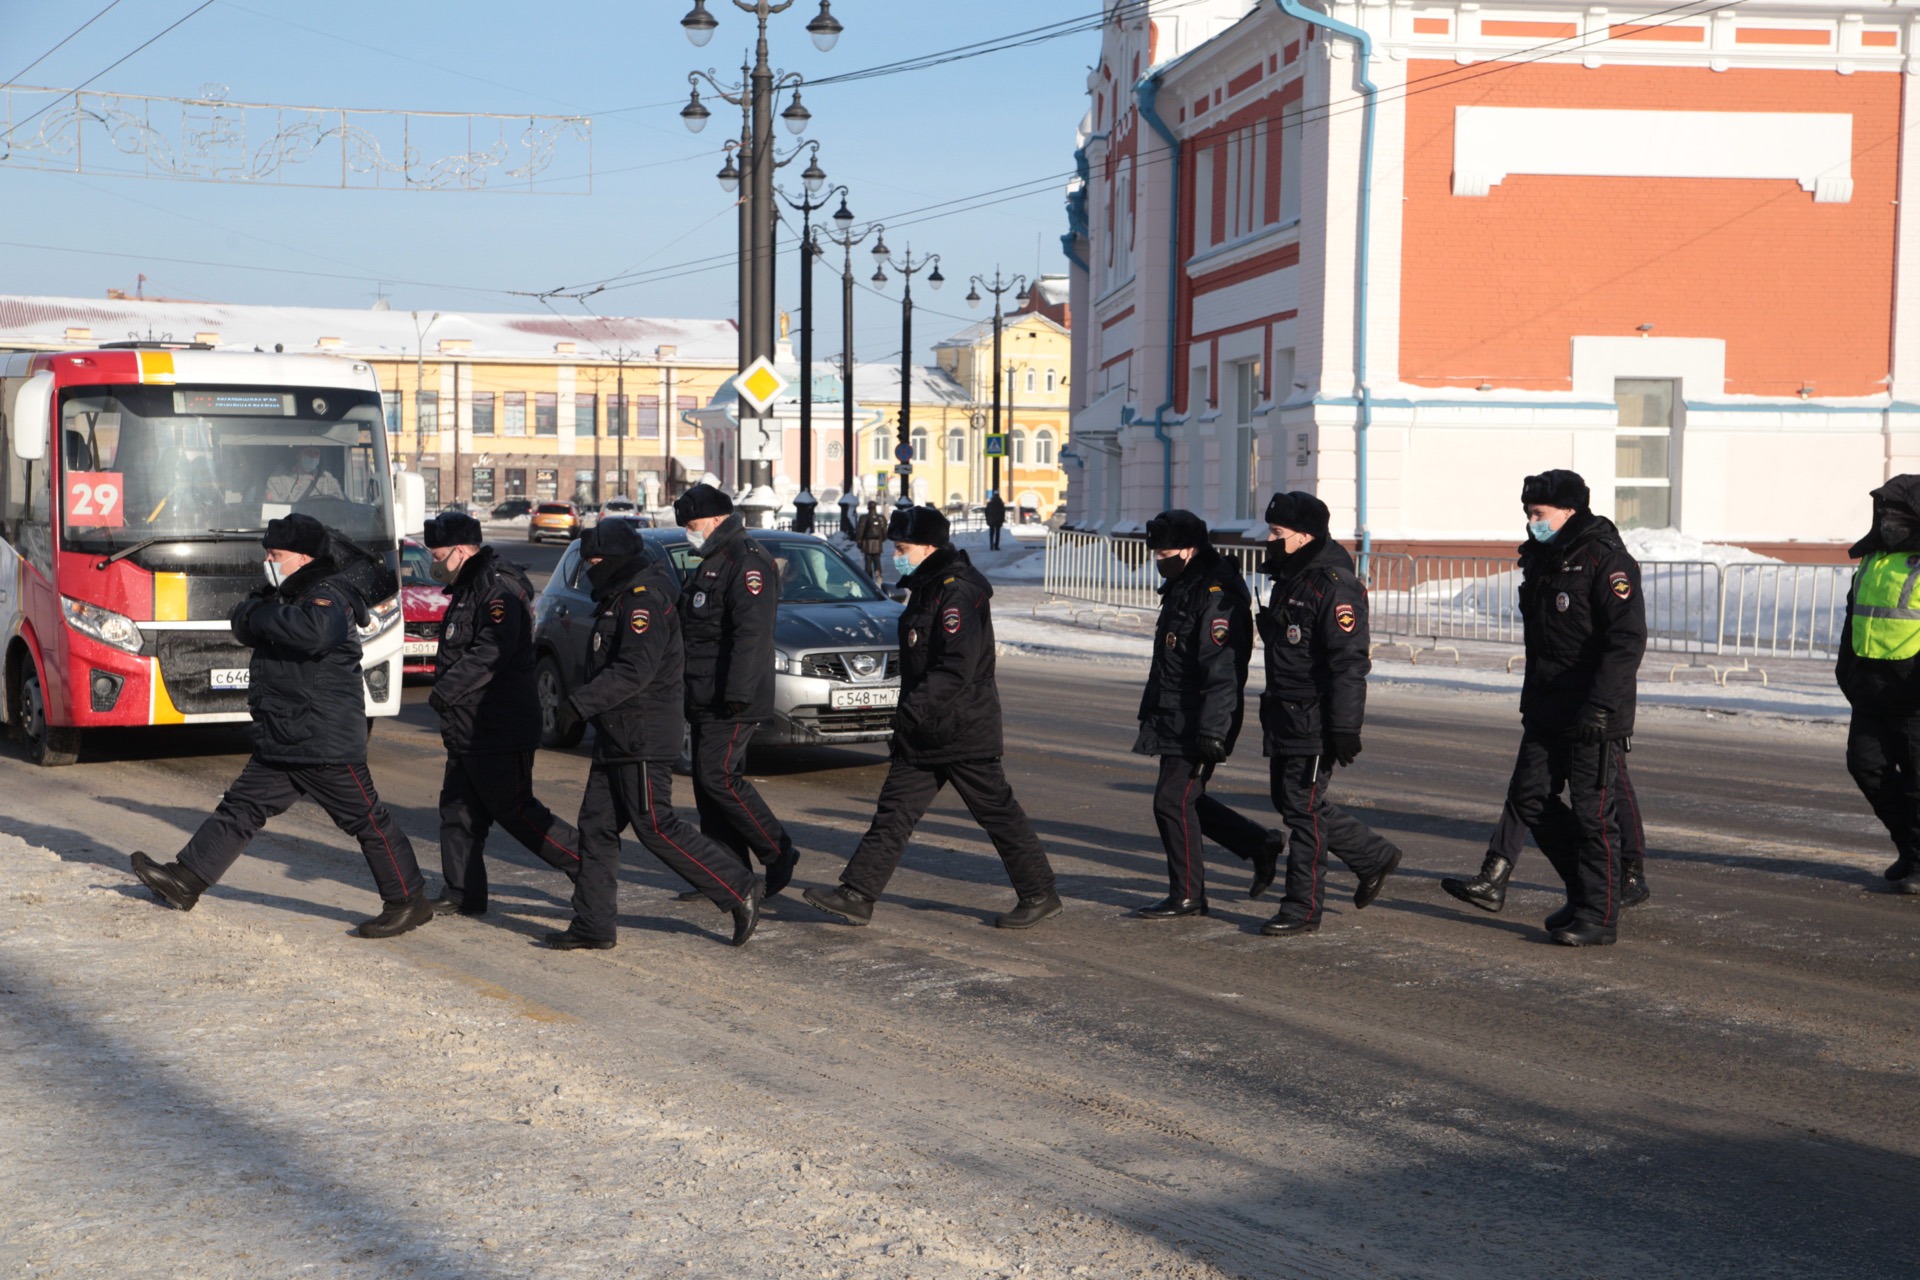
(1540, 531)
(902, 565)
(696, 540)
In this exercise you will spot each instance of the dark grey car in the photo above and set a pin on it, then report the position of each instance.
(836, 659)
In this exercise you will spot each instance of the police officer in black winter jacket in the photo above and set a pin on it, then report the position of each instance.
(728, 609)
(1586, 630)
(1191, 710)
(947, 730)
(1315, 628)
(489, 715)
(636, 668)
(308, 702)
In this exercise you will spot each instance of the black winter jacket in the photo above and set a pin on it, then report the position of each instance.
(1202, 646)
(949, 703)
(483, 673)
(1887, 687)
(728, 609)
(636, 667)
(305, 691)
(1586, 628)
(1315, 628)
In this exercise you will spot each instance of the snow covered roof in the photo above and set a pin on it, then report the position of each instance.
(1055, 291)
(58, 323)
(975, 334)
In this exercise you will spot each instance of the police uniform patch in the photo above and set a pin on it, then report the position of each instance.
(597, 638)
(1622, 585)
(497, 611)
(1344, 618)
(639, 619)
(322, 601)
(756, 582)
(699, 599)
(950, 621)
(1562, 601)
(1173, 641)
(1293, 633)
(913, 638)
(1218, 630)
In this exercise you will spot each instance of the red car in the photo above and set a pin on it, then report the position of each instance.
(423, 603)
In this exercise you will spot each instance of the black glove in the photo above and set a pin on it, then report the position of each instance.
(734, 710)
(1346, 747)
(438, 703)
(1209, 750)
(1592, 725)
(265, 591)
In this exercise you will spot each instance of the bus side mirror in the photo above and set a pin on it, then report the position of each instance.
(410, 503)
(32, 409)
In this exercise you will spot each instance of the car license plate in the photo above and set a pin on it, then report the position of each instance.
(230, 678)
(422, 648)
(844, 699)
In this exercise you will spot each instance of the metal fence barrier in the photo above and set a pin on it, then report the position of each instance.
(1694, 608)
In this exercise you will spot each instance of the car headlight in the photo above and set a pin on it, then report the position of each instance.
(785, 663)
(103, 625)
(381, 618)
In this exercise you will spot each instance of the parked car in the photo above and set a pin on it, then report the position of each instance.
(554, 520)
(836, 659)
(619, 507)
(512, 508)
(423, 603)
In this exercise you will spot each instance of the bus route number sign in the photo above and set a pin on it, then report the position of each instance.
(95, 499)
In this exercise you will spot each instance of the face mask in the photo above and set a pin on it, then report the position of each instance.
(1170, 567)
(697, 541)
(1893, 530)
(902, 565)
(309, 462)
(274, 575)
(442, 571)
(1275, 559)
(1540, 531)
(605, 576)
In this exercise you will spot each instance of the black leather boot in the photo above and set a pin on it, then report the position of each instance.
(1633, 883)
(1030, 912)
(396, 918)
(849, 904)
(1370, 886)
(1488, 890)
(780, 871)
(1174, 909)
(448, 904)
(1585, 935)
(178, 887)
(1267, 865)
(746, 916)
(1902, 867)
(1560, 919)
(1281, 927)
(568, 940)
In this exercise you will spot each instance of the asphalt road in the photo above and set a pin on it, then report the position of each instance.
(1422, 1090)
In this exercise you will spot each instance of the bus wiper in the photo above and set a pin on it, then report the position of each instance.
(211, 535)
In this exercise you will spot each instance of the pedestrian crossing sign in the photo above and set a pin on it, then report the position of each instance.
(997, 446)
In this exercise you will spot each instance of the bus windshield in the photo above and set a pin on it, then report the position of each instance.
(148, 462)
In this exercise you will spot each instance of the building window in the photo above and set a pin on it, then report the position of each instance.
(546, 485)
(646, 423)
(616, 484)
(393, 401)
(1246, 441)
(1203, 199)
(426, 412)
(514, 416)
(483, 413)
(546, 414)
(483, 486)
(430, 478)
(1043, 448)
(583, 494)
(1643, 453)
(957, 446)
(616, 416)
(1029, 379)
(685, 405)
(1051, 380)
(882, 446)
(1290, 167)
(584, 413)
(1246, 196)
(920, 444)
(1017, 442)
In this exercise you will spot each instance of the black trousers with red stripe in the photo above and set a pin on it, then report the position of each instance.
(266, 790)
(1580, 835)
(1316, 829)
(639, 796)
(1186, 814)
(1510, 833)
(982, 786)
(475, 793)
(731, 810)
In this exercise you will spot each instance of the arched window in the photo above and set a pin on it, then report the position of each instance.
(920, 444)
(882, 445)
(1043, 448)
(957, 446)
(1018, 442)
(1052, 380)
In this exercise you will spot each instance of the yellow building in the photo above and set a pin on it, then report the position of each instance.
(1035, 355)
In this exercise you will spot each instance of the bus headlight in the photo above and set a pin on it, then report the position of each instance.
(382, 618)
(103, 625)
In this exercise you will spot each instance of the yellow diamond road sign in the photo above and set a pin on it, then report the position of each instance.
(759, 385)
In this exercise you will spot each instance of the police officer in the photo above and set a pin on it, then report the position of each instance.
(947, 730)
(1586, 630)
(489, 715)
(1315, 628)
(309, 710)
(1879, 671)
(1191, 710)
(633, 696)
(1488, 890)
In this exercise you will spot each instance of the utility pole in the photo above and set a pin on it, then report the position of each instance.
(908, 268)
(997, 288)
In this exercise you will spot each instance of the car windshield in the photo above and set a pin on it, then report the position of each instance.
(814, 573)
(416, 567)
(155, 461)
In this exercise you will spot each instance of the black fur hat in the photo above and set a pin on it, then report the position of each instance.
(1176, 530)
(612, 540)
(1300, 512)
(453, 529)
(699, 502)
(923, 526)
(1556, 489)
(298, 533)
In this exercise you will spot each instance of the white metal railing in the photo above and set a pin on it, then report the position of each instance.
(1693, 607)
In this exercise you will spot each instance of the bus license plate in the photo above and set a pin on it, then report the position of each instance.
(230, 678)
(845, 699)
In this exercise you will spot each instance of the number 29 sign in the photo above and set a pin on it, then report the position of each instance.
(95, 499)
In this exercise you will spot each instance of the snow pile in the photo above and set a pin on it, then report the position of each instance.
(1673, 545)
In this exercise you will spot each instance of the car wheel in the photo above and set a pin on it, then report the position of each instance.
(46, 745)
(559, 729)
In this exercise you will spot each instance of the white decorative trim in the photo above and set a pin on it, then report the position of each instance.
(1492, 143)
(1244, 303)
(1700, 364)
(1251, 245)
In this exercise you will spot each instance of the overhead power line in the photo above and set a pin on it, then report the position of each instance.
(15, 77)
(149, 41)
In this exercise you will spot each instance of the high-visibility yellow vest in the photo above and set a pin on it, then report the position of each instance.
(1886, 623)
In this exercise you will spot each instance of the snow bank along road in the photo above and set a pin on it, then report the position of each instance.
(1418, 1091)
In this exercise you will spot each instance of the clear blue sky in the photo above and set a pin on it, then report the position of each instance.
(900, 142)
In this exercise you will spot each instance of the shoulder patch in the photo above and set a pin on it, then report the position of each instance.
(638, 590)
(1344, 618)
(323, 601)
(1213, 588)
(950, 621)
(1219, 629)
(1622, 585)
(497, 610)
(946, 581)
(756, 582)
(639, 620)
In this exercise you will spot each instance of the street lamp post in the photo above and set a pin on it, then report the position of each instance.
(997, 288)
(844, 237)
(813, 180)
(908, 269)
(420, 382)
(755, 95)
